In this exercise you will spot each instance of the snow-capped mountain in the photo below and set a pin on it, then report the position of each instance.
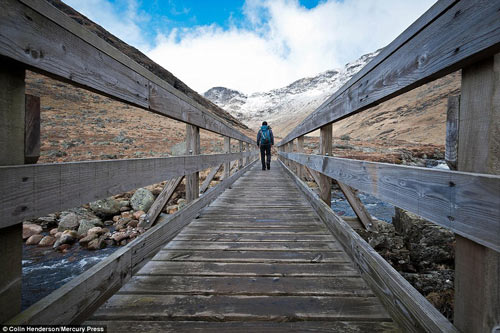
(284, 106)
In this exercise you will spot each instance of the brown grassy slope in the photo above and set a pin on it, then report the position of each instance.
(146, 62)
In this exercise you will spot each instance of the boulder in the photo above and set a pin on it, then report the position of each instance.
(30, 229)
(47, 241)
(34, 239)
(119, 236)
(97, 231)
(137, 215)
(53, 232)
(86, 225)
(67, 237)
(132, 224)
(142, 200)
(106, 207)
(68, 222)
(97, 244)
(87, 239)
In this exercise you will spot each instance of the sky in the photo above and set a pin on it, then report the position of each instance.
(252, 45)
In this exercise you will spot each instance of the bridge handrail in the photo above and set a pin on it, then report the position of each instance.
(80, 57)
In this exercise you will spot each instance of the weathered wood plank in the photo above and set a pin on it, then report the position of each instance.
(230, 308)
(32, 129)
(455, 36)
(467, 203)
(200, 228)
(406, 305)
(33, 190)
(358, 207)
(252, 256)
(237, 237)
(263, 246)
(192, 148)
(325, 148)
(160, 202)
(80, 57)
(452, 125)
(248, 269)
(74, 301)
(478, 151)
(120, 326)
(209, 178)
(259, 286)
(227, 150)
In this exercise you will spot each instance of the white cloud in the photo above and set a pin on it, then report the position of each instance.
(279, 42)
(125, 23)
(282, 42)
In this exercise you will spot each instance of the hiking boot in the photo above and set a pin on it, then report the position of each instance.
(268, 167)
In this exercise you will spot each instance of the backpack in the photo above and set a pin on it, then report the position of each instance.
(265, 136)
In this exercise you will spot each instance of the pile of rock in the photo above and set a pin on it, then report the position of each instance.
(114, 221)
(422, 252)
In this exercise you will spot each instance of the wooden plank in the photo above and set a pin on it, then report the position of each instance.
(227, 150)
(237, 237)
(33, 190)
(76, 299)
(200, 228)
(230, 285)
(478, 151)
(81, 57)
(240, 161)
(358, 207)
(325, 148)
(255, 246)
(31, 129)
(247, 159)
(12, 112)
(120, 326)
(252, 256)
(455, 36)
(209, 178)
(300, 149)
(192, 148)
(467, 203)
(160, 202)
(452, 124)
(230, 308)
(405, 304)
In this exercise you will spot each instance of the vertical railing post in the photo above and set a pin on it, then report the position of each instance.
(240, 161)
(227, 150)
(290, 150)
(247, 159)
(477, 268)
(192, 148)
(325, 148)
(300, 149)
(12, 123)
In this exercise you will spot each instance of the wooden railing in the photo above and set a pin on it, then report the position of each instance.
(452, 35)
(36, 36)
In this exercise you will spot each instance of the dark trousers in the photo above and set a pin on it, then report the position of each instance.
(265, 150)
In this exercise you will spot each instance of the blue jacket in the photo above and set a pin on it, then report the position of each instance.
(264, 127)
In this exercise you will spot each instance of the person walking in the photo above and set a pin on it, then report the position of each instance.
(265, 140)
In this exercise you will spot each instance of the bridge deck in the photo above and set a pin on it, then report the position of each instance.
(258, 258)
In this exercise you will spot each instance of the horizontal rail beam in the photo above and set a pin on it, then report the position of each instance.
(451, 35)
(79, 298)
(405, 304)
(28, 191)
(467, 203)
(47, 40)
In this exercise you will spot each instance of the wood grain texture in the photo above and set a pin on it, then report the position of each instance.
(325, 148)
(454, 36)
(160, 202)
(300, 149)
(406, 305)
(74, 301)
(192, 148)
(31, 129)
(210, 177)
(478, 151)
(79, 57)
(33, 190)
(467, 203)
(358, 207)
(452, 134)
(240, 161)
(227, 150)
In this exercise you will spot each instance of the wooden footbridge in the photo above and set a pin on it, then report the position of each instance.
(260, 251)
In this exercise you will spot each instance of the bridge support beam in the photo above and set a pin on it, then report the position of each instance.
(227, 150)
(292, 165)
(192, 148)
(247, 159)
(240, 161)
(12, 112)
(300, 149)
(325, 148)
(477, 283)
